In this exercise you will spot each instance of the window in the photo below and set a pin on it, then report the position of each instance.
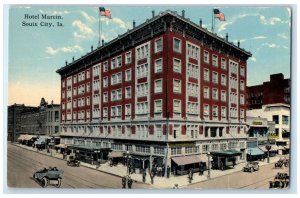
(206, 110)
(128, 92)
(105, 112)
(242, 99)
(116, 95)
(158, 65)
(206, 92)
(105, 97)
(215, 78)
(158, 86)
(206, 56)
(142, 149)
(63, 83)
(74, 91)
(242, 85)
(177, 86)
(128, 75)
(105, 82)
(215, 94)
(158, 131)
(142, 51)
(177, 65)
(193, 51)
(74, 103)
(88, 74)
(87, 100)
(128, 58)
(177, 45)
(158, 45)
(119, 61)
(115, 111)
(158, 106)
(113, 63)
(223, 80)
(142, 70)
(206, 74)
(242, 114)
(276, 119)
(105, 66)
(142, 89)
(223, 112)
(177, 106)
(242, 71)
(193, 108)
(223, 64)
(192, 149)
(176, 151)
(215, 111)
(215, 60)
(285, 120)
(75, 79)
(159, 150)
(127, 109)
(193, 70)
(223, 96)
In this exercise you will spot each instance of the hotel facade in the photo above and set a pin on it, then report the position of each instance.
(165, 89)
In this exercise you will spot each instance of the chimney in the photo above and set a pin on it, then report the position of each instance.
(133, 23)
(91, 48)
(66, 63)
(226, 36)
(102, 42)
(73, 58)
(238, 43)
(153, 13)
(52, 102)
(183, 13)
(200, 22)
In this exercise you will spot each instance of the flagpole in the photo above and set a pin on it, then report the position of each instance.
(99, 28)
(212, 20)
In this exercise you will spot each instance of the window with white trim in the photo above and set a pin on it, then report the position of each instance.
(105, 66)
(142, 51)
(223, 79)
(96, 98)
(206, 56)
(105, 97)
(87, 100)
(128, 92)
(116, 111)
(176, 65)
(242, 99)
(193, 89)
(96, 70)
(223, 64)
(206, 110)
(157, 106)
(113, 63)
(116, 78)
(193, 51)
(242, 71)
(119, 61)
(158, 65)
(87, 73)
(223, 112)
(142, 108)
(215, 94)
(158, 45)
(177, 106)
(127, 109)
(105, 82)
(105, 112)
(176, 45)
(223, 96)
(74, 115)
(75, 79)
(215, 60)
(215, 111)
(69, 81)
(63, 84)
(193, 70)
(206, 92)
(128, 75)
(176, 151)
(88, 114)
(142, 89)
(177, 86)
(96, 85)
(74, 103)
(193, 108)
(206, 74)
(74, 91)
(128, 58)
(142, 70)
(158, 86)
(242, 85)
(215, 77)
(242, 114)
(116, 94)
(158, 130)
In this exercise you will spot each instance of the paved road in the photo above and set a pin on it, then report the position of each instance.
(243, 180)
(21, 164)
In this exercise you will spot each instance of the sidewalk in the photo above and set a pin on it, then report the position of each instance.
(159, 182)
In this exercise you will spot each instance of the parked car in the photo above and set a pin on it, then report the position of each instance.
(251, 166)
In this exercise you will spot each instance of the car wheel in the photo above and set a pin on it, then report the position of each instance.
(44, 182)
(58, 183)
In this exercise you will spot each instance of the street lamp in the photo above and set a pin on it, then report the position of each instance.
(268, 147)
(208, 164)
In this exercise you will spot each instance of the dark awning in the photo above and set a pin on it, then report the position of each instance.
(255, 151)
(190, 159)
(226, 153)
(87, 148)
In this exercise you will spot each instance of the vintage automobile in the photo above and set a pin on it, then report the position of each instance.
(72, 161)
(281, 180)
(45, 176)
(251, 166)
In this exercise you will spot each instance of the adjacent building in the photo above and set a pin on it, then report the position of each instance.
(41, 120)
(163, 92)
(277, 90)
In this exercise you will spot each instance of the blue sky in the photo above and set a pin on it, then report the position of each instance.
(35, 53)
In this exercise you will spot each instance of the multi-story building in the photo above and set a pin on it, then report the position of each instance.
(165, 89)
(277, 90)
(41, 120)
(14, 121)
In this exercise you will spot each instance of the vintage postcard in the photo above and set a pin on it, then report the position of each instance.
(149, 97)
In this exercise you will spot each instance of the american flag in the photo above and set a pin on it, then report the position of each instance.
(219, 15)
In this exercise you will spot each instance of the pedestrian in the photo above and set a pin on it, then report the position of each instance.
(152, 178)
(124, 182)
(144, 176)
(129, 168)
(174, 171)
(192, 173)
(168, 171)
(129, 183)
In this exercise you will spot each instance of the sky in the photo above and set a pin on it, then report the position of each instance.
(35, 53)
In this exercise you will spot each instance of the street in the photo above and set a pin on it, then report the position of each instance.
(21, 164)
(243, 180)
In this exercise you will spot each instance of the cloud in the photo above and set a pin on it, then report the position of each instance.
(84, 30)
(271, 45)
(89, 18)
(270, 21)
(253, 59)
(259, 37)
(68, 49)
(282, 36)
(121, 23)
(253, 38)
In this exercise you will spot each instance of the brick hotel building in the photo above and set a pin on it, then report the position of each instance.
(164, 90)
